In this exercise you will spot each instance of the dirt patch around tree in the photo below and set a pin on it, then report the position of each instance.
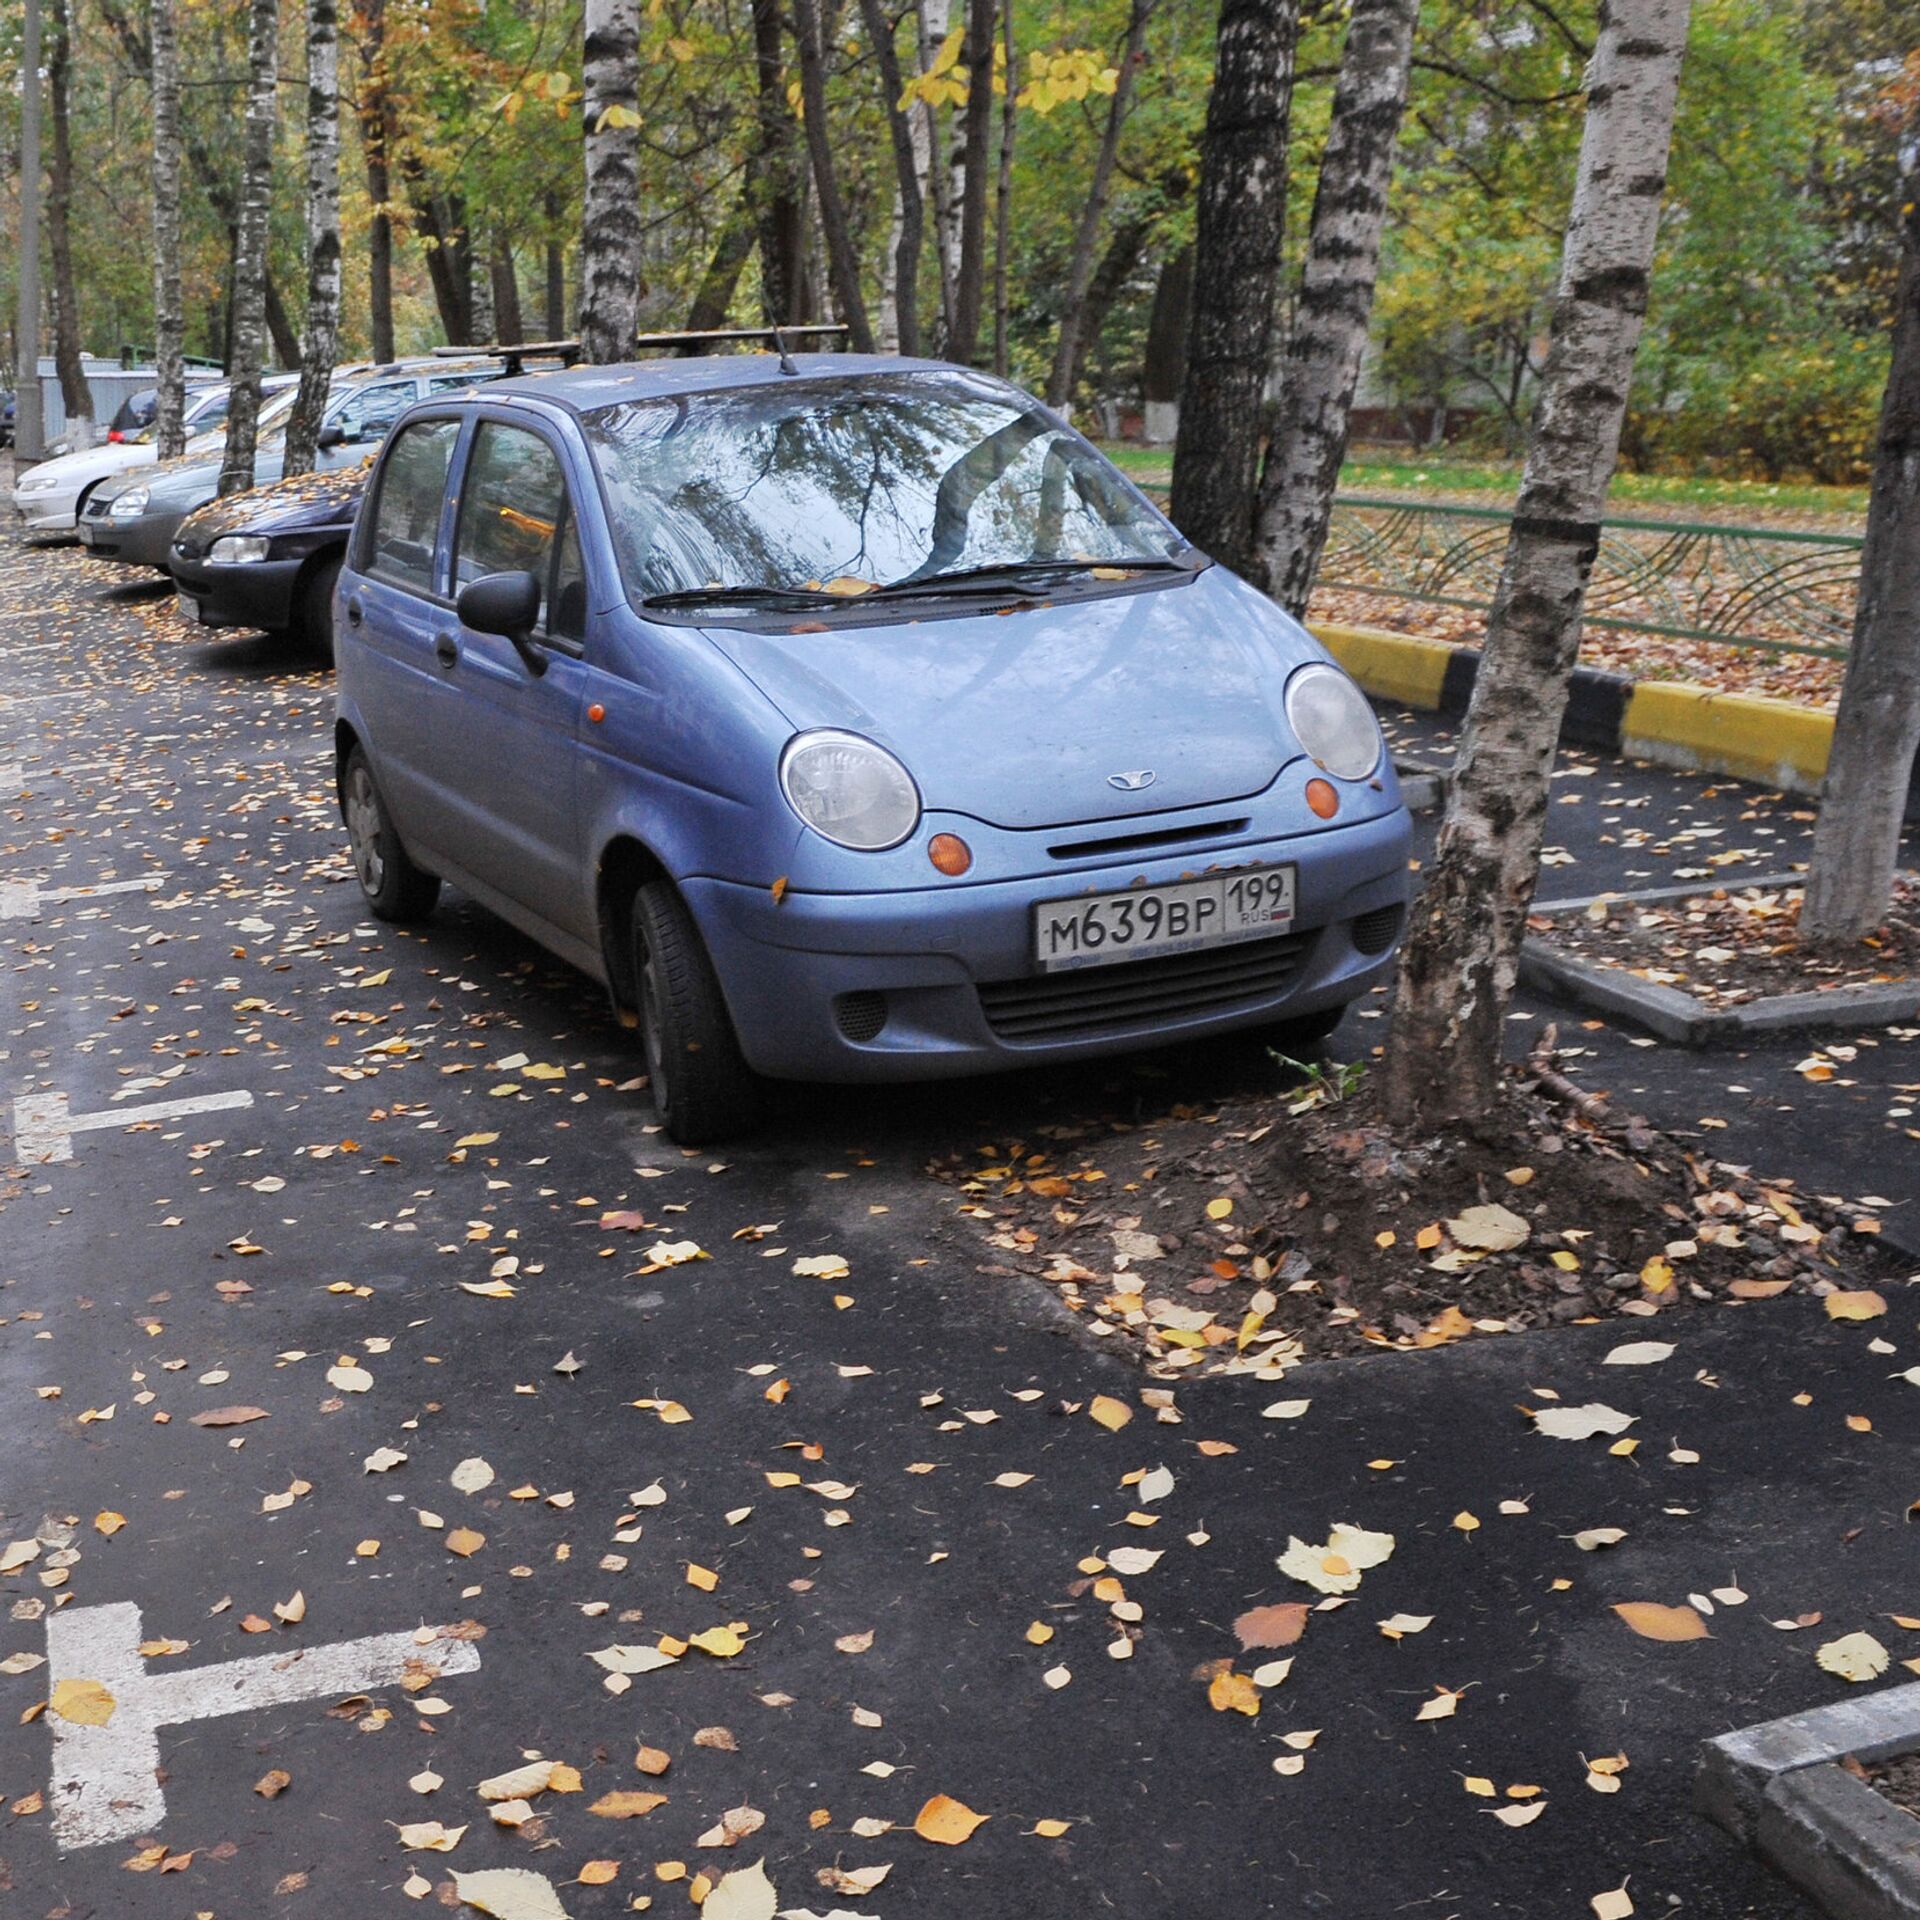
(1897, 1780)
(1734, 945)
(1249, 1236)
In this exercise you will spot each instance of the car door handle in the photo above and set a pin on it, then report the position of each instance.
(353, 613)
(445, 650)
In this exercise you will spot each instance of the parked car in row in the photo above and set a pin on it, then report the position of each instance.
(49, 497)
(134, 517)
(852, 719)
(269, 558)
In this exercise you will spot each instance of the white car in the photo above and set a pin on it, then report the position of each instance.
(48, 497)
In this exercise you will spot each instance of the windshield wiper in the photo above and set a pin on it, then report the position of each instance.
(713, 596)
(1019, 573)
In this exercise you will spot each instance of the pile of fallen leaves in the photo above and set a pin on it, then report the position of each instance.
(1271, 1229)
(1735, 945)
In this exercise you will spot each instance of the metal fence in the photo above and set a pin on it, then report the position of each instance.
(1769, 587)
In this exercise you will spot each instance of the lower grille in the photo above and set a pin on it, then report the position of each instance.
(1137, 992)
(860, 1016)
(1375, 932)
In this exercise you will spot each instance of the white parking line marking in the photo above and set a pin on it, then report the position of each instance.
(22, 899)
(13, 774)
(106, 1779)
(44, 1124)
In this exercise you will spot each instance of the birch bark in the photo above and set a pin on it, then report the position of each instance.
(610, 216)
(250, 247)
(1329, 332)
(1457, 970)
(320, 349)
(169, 315)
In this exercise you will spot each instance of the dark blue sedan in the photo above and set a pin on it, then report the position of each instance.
(852, 719)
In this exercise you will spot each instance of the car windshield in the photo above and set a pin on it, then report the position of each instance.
(842, 486)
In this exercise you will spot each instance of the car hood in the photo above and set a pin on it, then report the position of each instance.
(190, 479)
(283, 506)
(1026, 719)
(76, 469)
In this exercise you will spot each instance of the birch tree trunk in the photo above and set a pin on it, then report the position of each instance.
(1329, 334)
(843, 261)
(970, 277)
(321, 348)
(75, 395)
(376, 141)
(1073, 306)
(1239, 226)
(610, 215)
(1856, 844)
(900, 322)
(169, 317)
(774, 176)
(250, 247)
(932, 17)
(1457, 971)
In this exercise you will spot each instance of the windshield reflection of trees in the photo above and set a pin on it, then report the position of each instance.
(879, 482)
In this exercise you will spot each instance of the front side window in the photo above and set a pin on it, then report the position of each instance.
(513, 514)
(368, 414)
(851, 485)
(406, 515)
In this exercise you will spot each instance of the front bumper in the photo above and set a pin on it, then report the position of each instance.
(46, 512)
(141, 541)
(253, 593)
(940, 982)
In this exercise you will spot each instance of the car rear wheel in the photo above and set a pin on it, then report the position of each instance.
(395, 888)
(702, 1086)
(313, 617)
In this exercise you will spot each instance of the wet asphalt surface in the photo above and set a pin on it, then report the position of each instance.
(332, 1255)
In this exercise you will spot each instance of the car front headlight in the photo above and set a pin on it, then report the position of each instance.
(239, 546)
(38, 483)
(848, 790)
(1330, 718)
(134, 500)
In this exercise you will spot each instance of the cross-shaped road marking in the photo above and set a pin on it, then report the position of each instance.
(106, 1777)
(44, 1123)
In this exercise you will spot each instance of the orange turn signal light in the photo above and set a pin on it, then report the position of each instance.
(596, 712)
(950, 854)
(1322, 798)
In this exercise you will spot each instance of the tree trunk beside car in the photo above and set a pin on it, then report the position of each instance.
(323, 234)
(610, 216)
(1856, 844)
(169, 319)
(75, 395)
(1329, 332)
(250, 247)
(1458, 967)
(843, 260)
(1240, 225)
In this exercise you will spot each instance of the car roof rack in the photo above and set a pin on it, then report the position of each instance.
(687, 341)
(513, 357)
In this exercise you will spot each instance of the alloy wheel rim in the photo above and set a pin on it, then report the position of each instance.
(363, 831)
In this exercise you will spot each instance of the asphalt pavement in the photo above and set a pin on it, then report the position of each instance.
(531, 1448)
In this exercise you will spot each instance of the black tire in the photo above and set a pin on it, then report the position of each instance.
(1303, 1037)
(313, 616)
(702, 1086)
(394, 887)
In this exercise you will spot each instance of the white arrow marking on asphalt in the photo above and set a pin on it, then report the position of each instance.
(13, 775)
(106, 1780)
(22, 899)
(43, 1125)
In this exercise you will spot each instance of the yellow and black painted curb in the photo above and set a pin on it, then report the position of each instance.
(1673, 723)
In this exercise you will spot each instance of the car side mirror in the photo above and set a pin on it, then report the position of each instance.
(507, 604)
(330, 437)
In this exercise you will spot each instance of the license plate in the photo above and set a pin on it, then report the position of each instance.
(188, 605)
(1249, 903)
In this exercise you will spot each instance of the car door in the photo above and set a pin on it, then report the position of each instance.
(508, 750)
(396, 603)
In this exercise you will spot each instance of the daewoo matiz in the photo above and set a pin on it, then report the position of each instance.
(852, 719)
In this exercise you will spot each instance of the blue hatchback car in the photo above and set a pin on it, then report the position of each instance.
(852, 719)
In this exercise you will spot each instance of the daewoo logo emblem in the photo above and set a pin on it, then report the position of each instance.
(1131, 782)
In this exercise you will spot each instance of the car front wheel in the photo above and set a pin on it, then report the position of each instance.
(313, 616)
(702, 1086)
(395, 888)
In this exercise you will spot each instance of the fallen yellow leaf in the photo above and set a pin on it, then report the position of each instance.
(946, 1821)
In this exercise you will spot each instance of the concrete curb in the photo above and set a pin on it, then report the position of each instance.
(1746, 736)
(1776, 1787)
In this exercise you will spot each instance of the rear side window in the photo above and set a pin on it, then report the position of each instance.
(372, 410)
(513, 508)
(406, 516)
